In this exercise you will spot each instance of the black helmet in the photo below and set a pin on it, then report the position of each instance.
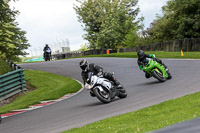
(84, 65)
(140, 54)
(46, 45)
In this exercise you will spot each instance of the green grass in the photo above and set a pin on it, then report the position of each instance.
(147, 119)
(159, 54)
(49, 86)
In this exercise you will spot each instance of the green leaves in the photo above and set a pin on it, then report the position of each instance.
(181, 19)
(106, 22)
(12, 38)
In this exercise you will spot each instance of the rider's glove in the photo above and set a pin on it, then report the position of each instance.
(154, 59)
(152, 55)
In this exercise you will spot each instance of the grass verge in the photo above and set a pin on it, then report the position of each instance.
(147, 119)
(49, 86)
(159, 54)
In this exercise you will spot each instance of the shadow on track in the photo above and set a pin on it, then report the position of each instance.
(92, 104)
(149, 83)
(99, 103)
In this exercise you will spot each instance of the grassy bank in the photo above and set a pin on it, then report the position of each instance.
(147, 119)
(159, 54)
(49, 86)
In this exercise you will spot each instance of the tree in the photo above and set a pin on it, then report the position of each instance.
(131, 38)
(12, 38)
(107, 21)
(84, 47)
(181, 19)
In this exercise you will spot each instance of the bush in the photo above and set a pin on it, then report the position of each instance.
(4, 67)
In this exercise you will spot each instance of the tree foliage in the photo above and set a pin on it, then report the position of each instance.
(12, 38)
(181, 19)
(107, 22)
(84, 47)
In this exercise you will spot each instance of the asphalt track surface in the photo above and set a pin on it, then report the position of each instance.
(83, 109)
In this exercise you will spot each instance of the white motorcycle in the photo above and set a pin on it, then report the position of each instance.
(103, 89)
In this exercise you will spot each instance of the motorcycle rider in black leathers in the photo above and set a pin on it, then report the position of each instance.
(142, 60)
(47, 50)
(96, 70)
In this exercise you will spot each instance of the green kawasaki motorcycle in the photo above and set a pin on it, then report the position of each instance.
(157, 70)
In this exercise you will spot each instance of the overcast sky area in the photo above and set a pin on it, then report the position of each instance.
(51, 21)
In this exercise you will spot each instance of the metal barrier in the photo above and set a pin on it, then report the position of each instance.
(12, 82)
(13, 65)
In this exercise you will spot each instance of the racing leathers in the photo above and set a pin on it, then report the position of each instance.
(97, 70)
(47, 51)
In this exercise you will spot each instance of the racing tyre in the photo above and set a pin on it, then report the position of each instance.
(102, 96)
(158, 76)
(122, 93)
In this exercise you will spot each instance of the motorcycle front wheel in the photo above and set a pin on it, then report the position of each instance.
(103, 96)
(158, 76)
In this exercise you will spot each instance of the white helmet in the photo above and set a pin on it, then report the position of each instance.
(84, 65)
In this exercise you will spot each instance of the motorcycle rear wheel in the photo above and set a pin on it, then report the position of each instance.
(122, 93)
(169, 75)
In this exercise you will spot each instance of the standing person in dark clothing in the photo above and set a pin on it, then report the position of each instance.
(96, 70)
(142, 61)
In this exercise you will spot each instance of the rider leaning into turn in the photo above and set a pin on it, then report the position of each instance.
(142, 60)
(96, 70)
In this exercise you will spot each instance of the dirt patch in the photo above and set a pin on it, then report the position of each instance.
(10, 99)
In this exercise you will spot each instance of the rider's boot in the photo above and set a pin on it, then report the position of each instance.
(165, 67)
(167, 70)
(117, 84)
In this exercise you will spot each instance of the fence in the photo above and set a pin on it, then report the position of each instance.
(12, 82)
(188, 44)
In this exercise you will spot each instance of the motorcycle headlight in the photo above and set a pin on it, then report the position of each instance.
(88, 86)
